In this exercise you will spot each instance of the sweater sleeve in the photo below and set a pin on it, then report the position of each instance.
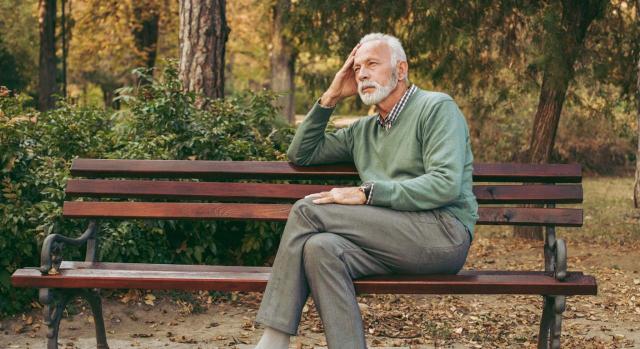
(311, 145)
(444, 141)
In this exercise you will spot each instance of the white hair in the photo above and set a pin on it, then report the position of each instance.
(397, 52)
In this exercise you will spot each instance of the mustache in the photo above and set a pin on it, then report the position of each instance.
(367, 83)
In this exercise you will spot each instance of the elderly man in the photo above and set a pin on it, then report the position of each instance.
(414, 213)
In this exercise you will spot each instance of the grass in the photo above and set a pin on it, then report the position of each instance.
(609, 214)
(608, 209)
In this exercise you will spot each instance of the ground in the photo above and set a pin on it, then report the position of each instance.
(608, 247)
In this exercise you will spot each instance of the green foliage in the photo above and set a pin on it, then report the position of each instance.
(10, 70)
(19, 32)
(157, 121)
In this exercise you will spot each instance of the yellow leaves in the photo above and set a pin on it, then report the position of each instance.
(131, 295)
(149, 298)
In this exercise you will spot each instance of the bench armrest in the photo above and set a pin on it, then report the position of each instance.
(51, 254)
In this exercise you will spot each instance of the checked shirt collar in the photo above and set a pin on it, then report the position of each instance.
(395, 111)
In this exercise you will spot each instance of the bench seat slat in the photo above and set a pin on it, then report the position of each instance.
(485, 194)
(280, 212)
(188, 277)
(510, 172)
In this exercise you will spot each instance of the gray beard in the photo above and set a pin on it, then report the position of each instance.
(381, 91)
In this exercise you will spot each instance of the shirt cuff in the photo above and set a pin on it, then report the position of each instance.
(382, 195)
(325, 106)
(368, 202)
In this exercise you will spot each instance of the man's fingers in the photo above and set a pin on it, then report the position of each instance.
(353, 52)
(317, 195)
(349, 62)
(351, 58)
(324, 200)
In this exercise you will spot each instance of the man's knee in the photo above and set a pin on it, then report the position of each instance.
(320, 246)
(306, 210)
(302, 206)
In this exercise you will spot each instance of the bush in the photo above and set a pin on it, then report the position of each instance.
(158, 121)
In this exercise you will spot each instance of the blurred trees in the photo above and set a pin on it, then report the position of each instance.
(283, 58)
(65, 26)
(145, 30)
(564, 41)
(115, 36)
(636, 190)
(47, 66)
(10, 69)
(490, 56)
(19, 38)
(249, 45)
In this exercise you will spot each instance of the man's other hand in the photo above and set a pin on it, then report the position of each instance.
(344, 83)
(347, 196)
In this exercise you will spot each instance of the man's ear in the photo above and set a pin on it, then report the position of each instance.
(403, 69)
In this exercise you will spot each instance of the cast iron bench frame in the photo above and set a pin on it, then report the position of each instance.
(60, 281)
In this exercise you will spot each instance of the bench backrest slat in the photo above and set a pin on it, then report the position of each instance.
(280, 212)
(226, 191)
(186, 197)
(544, 173)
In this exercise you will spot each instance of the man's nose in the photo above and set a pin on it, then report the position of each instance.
(363, 74)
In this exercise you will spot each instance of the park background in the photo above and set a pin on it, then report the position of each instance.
(538, 81)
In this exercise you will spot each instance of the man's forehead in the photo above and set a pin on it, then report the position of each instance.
(372, 49)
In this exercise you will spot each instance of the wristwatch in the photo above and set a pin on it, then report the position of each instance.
(366, 189)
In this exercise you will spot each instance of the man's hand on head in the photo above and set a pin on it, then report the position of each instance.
(346, 196)
(344, 83)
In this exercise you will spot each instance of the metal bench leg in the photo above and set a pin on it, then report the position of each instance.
(551, 322)
(93, 298)
(55, 301)
(53, 308)
(545, 323)
(558, 308)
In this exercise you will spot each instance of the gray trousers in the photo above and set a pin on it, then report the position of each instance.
(325, 246)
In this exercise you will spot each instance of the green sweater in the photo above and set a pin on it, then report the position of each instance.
(424, 161)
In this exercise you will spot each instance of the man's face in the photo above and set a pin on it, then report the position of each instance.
(373, 71)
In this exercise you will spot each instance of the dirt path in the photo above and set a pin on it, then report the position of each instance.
(198, 320)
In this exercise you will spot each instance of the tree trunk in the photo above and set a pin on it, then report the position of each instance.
(203, 35)
(636, 190)
(563, 42)
(283, 58)
(145, 31)
(65, 41)
(47, 67)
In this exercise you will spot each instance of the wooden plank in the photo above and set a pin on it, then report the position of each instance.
(567, 217)
(485, 194)
(190, 190)
(537, 173)
(141, 267)
(208, 169)
(507, 172)
(528, 194)
(280, 212)
(182, 210)
(104, 275)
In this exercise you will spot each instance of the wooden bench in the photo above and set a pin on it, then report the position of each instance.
(59, 281)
